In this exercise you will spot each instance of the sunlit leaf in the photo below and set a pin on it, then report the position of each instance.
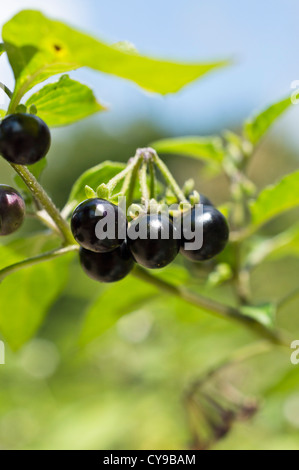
(2, 113)
(64, 102)
(39, 48)
(116, 301)
(256, 128)
(202, 148)
(276, 199)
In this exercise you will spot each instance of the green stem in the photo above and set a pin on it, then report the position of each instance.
(36, 260)
(212, 307)
(152, 180)
(171, 182)
(122, 175)
(287, 299)
(130, 182)
(40, 194)
(15, 101)
(143, 184)
(6, 90)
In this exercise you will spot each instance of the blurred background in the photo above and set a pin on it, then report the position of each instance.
(125, 390)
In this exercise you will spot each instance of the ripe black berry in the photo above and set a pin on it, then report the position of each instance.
(215, 233)
(99, 226)
(24, 139)
(205, 201)
(157, 246)
(107, 267)
(12, 210)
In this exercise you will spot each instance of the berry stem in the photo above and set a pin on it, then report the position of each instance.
(49, 256)
(130, 181)
(152, 180)
(171, 182)
(212, 307)
(46, 202)
(122, 175)
(6, 90)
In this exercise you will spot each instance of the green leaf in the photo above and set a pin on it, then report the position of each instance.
(26, 296)
(280, 246)
(256, 128)
(2, 49)
(2, 113)
(64, 102)
(202, 148)
(121, 299)
(264, 314)
(39, 48)
(276, 199)
(93, 178)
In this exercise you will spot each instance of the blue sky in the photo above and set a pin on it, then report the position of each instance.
(261, 37)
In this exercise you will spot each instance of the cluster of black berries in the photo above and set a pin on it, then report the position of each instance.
(112, 259)
(24, 139)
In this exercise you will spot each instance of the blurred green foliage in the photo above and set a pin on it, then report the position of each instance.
(125, 390)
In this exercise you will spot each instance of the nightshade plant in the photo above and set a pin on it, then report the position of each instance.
(39, 48)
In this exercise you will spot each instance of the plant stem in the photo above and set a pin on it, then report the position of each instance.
(127, 171)
(15, 100)
(6, 90)
(212, 307)
(171, 182)
(152, 180)
(143, 184)
(36, 260)
(40, 194)
(130, 182)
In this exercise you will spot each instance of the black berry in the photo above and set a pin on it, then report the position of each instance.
(12, 210)
(107, 267)
(205, 201)
(158, 244)
(99, 226)
(215, 233)
(24, 139)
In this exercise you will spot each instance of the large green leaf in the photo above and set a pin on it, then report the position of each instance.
(93, 177)
(39, 47)
(26, 296)
(121, 299)
(276, 199)
(256, 128)
(2, 49)
(64, 102)
(203, 148)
